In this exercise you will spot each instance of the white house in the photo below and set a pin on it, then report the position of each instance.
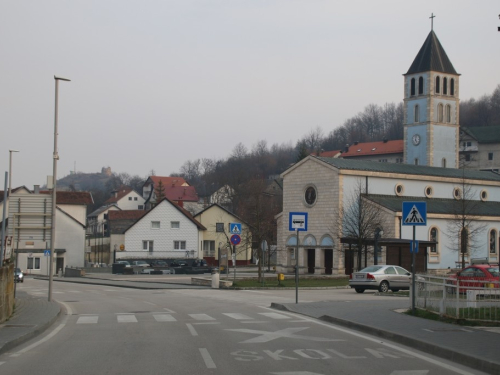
(165, 231)
(126, 198)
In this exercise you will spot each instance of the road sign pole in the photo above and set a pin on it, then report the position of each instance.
(297, 270)
(413, 270)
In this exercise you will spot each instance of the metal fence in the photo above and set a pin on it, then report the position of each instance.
(470, 299)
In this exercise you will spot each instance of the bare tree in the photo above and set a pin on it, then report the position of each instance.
(464, 229)
(359, 218)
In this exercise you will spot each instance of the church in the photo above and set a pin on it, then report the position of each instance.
(462, 205)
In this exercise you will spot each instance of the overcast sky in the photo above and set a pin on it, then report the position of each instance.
(156, 83)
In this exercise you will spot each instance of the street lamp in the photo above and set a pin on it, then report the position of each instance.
(378, 233)
(55, 158)
(10, 170)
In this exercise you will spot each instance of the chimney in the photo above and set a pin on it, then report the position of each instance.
(385, 140)
(37, 189)
(180, 203)
(356, 143)
(184, 191)
(347, 147)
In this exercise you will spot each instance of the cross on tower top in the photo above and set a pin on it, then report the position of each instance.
(432, 20)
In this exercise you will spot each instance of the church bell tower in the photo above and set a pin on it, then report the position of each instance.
(431, 108)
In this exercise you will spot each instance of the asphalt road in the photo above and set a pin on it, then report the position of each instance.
(108, 330)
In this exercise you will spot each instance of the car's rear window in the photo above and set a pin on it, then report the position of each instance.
(371, 269)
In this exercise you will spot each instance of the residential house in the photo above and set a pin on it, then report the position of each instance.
(216, 220)
(176, 189)
(480, 148)
(118, 223)
(97, 221)
(383, 151)
(166, 231)
(126, 198)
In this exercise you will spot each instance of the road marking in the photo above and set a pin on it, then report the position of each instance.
(201, 317)
(1, 363)
(275, 315)
(164, 318)
(266, 336)
(410, 372)
(205, 323)
(191, 329)
(149, 303)
(126, 318)
(34, 345)
(237, 316)
(377, 340)
(169, 311)
(207, 358)
(256, 322)
(87, 319)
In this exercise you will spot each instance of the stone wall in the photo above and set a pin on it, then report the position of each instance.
(6, 292)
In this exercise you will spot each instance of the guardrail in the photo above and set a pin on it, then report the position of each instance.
(471, 299)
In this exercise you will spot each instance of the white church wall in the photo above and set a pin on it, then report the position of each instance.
(422, 111)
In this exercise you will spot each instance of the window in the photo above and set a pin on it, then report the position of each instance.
(420, 85)
(140, 207)
(416, 114)
(490, 155)
(443, 163)
(147, 246)
(390, 271)
(429, 191)
(434, 236)
(452, 87)
(382, 160)
(129, 198)
(412, 89)
(484, 195)
(416, 161)
(33, 263)
(179, 245)
(399, 189)
(399, 160)
(448, 113)
(493, 241)
(175, 224)
(467, 144)
(219, 227)
(438, 80)
(457, 193)
(467, 157)
(445, 85)
(155, 225)
(440, 112)
(208, 248)
(135, 198)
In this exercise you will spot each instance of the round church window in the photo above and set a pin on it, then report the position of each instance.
(310, 195)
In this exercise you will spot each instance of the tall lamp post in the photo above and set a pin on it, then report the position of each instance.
(4, 215)
(55, 158)
(378, 233)
(10, 170)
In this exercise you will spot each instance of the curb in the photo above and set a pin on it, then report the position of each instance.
(124, 286)
(465, 359)
(31, 334)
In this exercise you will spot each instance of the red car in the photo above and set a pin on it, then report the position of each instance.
(476, 276)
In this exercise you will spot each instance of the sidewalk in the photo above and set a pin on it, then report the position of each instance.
(472, 347)
(32, 316)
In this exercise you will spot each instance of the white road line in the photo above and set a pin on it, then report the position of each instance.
(164, 318)
(149, 303)
(126, 319)
(34, 345)
(275, 315)
(256, 322)
(201, 317)
(191, 329)
(379, 342)
(205, 323)
(207, 358)
(87, 319)
(169, 311)
(238, 316)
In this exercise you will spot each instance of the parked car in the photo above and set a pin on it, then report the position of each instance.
(140, 263)
(179, 263)
(158, 263)
(382, 278)
(475, 276)
(127, 264)
(18, 276)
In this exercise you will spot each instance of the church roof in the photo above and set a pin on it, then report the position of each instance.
(409, 169)
(432, 57)
(484, 134)
(438, 205)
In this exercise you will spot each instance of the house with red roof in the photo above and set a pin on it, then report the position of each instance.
(382, 151)
(176, 189)
(126, 198)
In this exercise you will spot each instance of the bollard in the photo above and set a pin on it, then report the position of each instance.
(215, 280)
(60, 272)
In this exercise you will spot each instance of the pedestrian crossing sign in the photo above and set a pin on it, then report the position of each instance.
(414, 213)
(235, 228)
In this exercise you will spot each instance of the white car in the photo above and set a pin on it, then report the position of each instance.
(140, 263)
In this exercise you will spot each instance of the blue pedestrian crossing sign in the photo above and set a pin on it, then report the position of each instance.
(235, 228)
(46, 253)
(414, 213)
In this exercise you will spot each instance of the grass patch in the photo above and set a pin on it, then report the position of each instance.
(461, 321)
(303, 282)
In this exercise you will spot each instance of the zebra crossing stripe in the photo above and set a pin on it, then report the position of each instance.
(275, 315)
(87, 319)
(237, 316)
(164, 318)
(126, 319)
(201, 317)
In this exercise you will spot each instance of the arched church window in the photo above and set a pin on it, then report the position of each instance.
(416, 161)
(434, 236)
(412, 87)
(448, 113)
(445, 86)
(452, 87)
(438, 81)
(493, 241)
(440, 112)
(420, 86)
(416, 117)
(443, 163)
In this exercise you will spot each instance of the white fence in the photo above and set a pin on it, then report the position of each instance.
(475, 300)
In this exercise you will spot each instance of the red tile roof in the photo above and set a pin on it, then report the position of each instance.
(126, 214)
(72, 197)
(182, 193)
(168, 181)
(330, 154)
(120, 193)
(374, 148)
